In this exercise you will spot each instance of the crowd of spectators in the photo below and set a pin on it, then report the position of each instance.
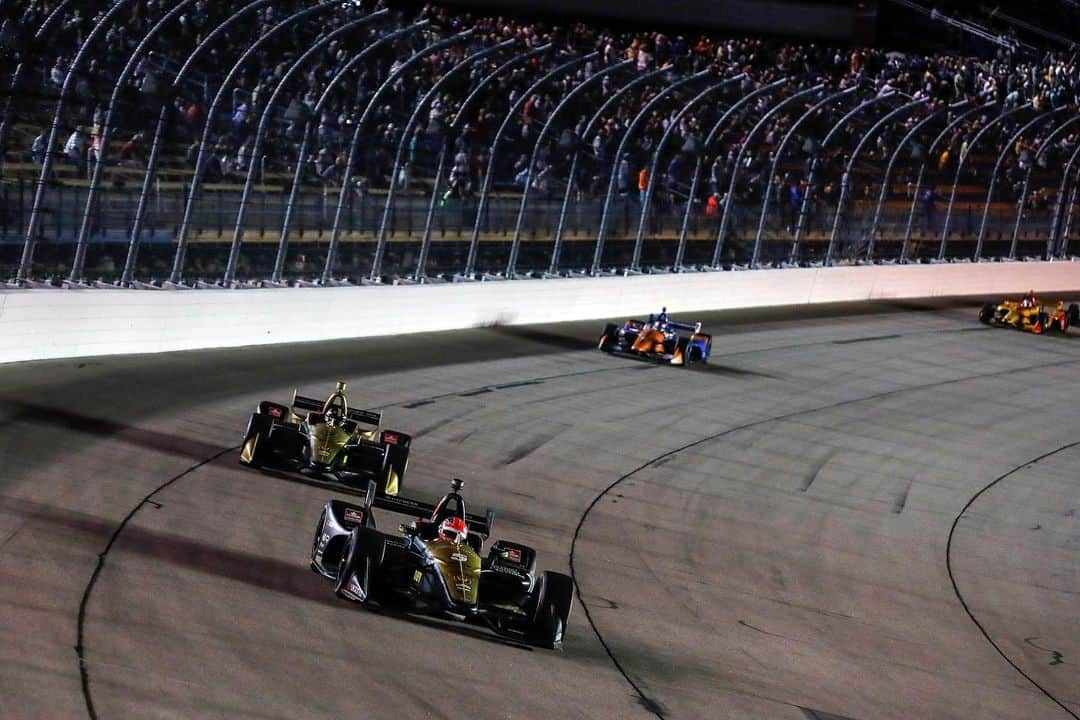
(1010, 78)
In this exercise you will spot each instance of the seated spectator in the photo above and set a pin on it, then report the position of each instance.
(130, 152)
(37, 149)
(75, 148)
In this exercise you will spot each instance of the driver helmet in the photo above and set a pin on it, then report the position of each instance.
(334, 414)
(453, 530)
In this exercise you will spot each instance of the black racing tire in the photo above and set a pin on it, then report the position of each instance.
(607, 340)
(683, 346)
(255, 440)
(361, 557)
(986, 314)
(554, 602)
(1074, 314)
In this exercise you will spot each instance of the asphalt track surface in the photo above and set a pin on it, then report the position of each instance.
(854, 512)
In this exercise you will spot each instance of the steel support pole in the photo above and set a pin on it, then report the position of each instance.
(376, 265)
(515, 108)
(960, 168)
(16, 75)
(83, 237)
(294, 189)
(260, 132)
(729, 200)
(845, 181)
(795, 126)
(1050, 139)
(884, 194)
(930, 152)
(462, 113)
(1063, 246)
(159, 130)
(1052, 242)
(654, 165)
(590, 128)
(208, 127)
(511, 264)
(346, 181)
(800, 222)
(989, 193)
(74, 69)
(598, 252)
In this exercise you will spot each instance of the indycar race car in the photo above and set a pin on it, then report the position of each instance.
(658, 339)
(435, 566)
(327, 439)
(1029, 315)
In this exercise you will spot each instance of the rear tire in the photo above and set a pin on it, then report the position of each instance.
(555, 601)
(1074, 314)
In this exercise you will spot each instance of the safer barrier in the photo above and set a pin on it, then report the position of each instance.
(41, 324)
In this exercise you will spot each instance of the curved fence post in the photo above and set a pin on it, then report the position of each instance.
(387, 83)
(82, 240)
(127, 276)
(474, 243)
(654, 165)
(1050, 139)
(253, 168)
(1059, 204)
(16, 76)
(617, 96)
(931, 150)
(598, 252)
(884, 193)
(376, 265)
(208, 127)
(294, 189)
(845, 181)
(960, 168)
(807, 198)
(34, 223)
(795, 126)
(993, 181)
(462, 113)
(538, 145)
(728, 201)
(721, 233)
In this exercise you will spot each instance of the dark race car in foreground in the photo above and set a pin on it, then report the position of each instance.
(1029, 315)
(328, 440)
(658, 339)
(437, 566)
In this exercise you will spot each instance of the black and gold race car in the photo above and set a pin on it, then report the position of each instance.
(436, 566)
(328, 440)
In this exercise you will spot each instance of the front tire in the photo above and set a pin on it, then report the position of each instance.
(607, 340)
(986, 314)
(360, 559)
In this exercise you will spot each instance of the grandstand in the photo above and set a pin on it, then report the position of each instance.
(159, 143)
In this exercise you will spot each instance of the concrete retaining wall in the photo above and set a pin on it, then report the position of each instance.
(41, 324)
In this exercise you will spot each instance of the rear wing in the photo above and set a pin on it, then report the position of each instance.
(367, 417)
(479, 524)
(688, 327)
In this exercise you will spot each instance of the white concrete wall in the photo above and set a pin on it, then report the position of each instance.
(40, 324)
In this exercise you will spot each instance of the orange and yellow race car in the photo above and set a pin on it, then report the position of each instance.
(658, 339)
(1030, 315)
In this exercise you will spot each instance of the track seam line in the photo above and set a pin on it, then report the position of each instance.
(956, 587)
(84, 672)
(650, 704)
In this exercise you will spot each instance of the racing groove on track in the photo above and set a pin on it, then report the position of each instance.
(774, 543)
